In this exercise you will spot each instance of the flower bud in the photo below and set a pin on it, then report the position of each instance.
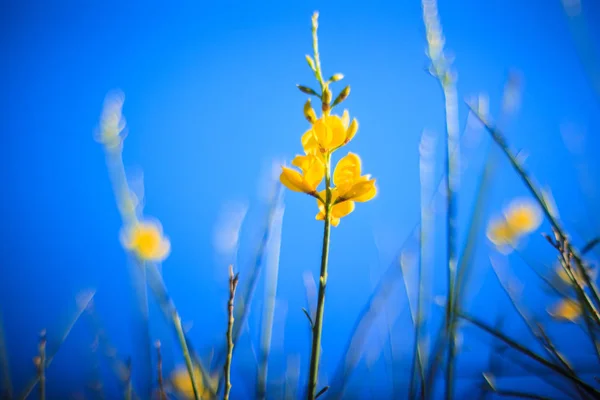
(307, 90)
(310, 62)
(342, 96)
(309, 113)
(336, 77)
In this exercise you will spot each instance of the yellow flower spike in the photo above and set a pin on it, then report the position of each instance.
(329, 133)
(145, 239)
(523, 216)
(313, 172)
(566, 309)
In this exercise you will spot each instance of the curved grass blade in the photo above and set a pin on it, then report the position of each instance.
(83, 300)
(532, 355)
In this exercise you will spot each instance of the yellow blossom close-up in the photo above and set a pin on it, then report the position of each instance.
(308, 181)
(145, 239)
(328, 133)
(350, 187)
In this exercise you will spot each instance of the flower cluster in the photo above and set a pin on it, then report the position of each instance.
(326, 135)
(520, 218)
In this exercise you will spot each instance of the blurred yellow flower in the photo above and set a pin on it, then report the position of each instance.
(145, 239)
(328, 133)
(566, 309)
(520, 218)
(181, 382)
(313, 172)
(350, 187)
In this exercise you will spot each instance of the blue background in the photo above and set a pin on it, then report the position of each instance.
(210, 101)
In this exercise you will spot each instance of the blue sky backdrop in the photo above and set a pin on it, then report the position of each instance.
(210, 101)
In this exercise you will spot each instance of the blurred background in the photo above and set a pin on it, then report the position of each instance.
(211, 109)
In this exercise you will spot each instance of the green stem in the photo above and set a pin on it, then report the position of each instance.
(233, 279)
(451, 175)
(186, 353)
(318, 323)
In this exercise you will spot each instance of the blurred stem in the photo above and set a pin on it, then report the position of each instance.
(233, 280)
(186, 353)
(525, 351)
(41, 365)
(318, 322)
(8, 391)
(501, 142)
(451, 184)
(272, 270)
(159, 372)
(128, 386)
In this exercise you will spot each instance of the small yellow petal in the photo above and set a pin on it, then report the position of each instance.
(361, 191)
(351, 132)
(566, 309)
(347, 170)
(335, 221)
(293, 180)
(338, 131)
(309, 142)
(342, 209)
(322, 133)
(345, 119)
(314, 174)
(500, 233)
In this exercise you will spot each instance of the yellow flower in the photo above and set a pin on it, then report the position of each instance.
(523, 216)
(313, 171)
(502, 235)
(520, 218)
(180, 379)
(566, 309)
(145, 239)
(350, 187)
(328, 133)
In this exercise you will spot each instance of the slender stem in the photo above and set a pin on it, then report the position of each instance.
(233, 280)
(41, 365)
(186, 353)
(8, 391)
(318, 323)
(128, 385)
(159, 372)
(452, 131)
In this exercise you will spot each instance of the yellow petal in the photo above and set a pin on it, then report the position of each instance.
(180, 379)
(302, 162)
(335, 221)
(347, 170)
(361, 191)
(293, 180)
(345, 119)
(566, 309)
(322, 133)
(352, 129)
(523, 216)
(369, 191)
(342, 209)
(314, 174)
(309, 142)
(338, 131)
(500, 233)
